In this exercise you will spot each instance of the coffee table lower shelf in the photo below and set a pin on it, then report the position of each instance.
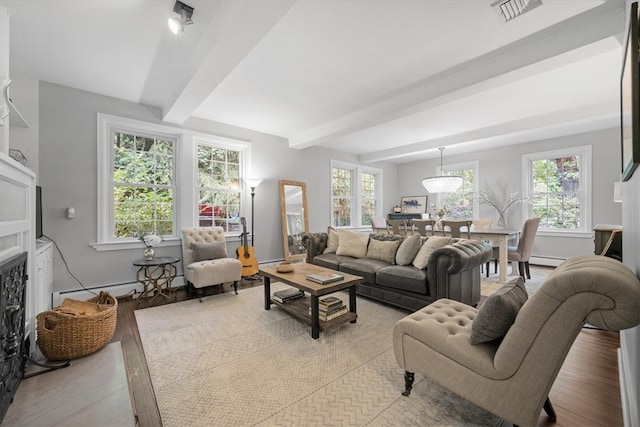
(300, 309)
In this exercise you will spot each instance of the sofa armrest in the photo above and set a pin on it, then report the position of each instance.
(452, 261)
(315, 243)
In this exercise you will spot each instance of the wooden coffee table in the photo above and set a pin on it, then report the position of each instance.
(300, 307)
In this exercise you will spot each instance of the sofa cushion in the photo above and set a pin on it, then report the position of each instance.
(332, 241)
(408, 250)
(331, 261)
(498, 312)
(434, 242)
(352, 243)
(208, 251)
(404, 277)
(365, 268)
(383, 250)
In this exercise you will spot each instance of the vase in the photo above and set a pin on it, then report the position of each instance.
(148, 254)
(501, 221)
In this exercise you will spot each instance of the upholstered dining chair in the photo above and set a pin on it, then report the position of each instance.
(455, 226)
(424, 226)
(397, 226)
(505, 356)
(378, 224)
(205, 260)
(522, 252)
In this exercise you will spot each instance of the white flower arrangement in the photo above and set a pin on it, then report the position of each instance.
(151, 240)
(501, 204)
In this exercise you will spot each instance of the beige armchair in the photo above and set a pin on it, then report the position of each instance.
(205, 260)
(511, 376)
(521, 253)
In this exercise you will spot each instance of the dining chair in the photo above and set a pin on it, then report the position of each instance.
(423, 226)
(456, 226)
(397, 226)
(522, 252)
(378, 224)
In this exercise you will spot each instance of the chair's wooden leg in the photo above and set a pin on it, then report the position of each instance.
(235, 287)
(199, 293)
(495, 265)
(521, 270)
(526, 264)
(408, 382)
(548, 408)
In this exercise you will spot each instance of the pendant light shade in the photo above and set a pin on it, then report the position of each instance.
(442, 183)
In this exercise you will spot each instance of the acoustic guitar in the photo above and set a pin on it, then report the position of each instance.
(245, 253)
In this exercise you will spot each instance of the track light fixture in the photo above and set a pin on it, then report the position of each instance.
(184, 13)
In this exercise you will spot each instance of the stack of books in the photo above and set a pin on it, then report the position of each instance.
(287, 295)
(324, 278)
(329, 308)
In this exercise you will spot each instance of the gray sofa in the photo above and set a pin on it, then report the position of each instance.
(453, 271)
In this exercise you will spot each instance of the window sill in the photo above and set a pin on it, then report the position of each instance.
(134, 244)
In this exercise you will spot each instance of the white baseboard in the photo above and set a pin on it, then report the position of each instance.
(629, 411)
(119, 290)
(546, 261)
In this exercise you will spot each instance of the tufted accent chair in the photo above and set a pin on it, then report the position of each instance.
(512, 377)
(200, 274)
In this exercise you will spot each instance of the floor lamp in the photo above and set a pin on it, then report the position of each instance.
(253, 184)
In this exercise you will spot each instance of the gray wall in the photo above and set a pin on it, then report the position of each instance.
(630, 338)
(67, 173)
(505, 166)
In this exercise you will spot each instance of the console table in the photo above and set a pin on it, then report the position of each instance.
(156, 275)
(404, 216)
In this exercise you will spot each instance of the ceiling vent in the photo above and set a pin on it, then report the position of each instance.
(510, 9)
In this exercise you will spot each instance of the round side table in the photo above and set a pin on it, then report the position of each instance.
(156, 275)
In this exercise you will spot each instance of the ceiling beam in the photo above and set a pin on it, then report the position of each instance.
(490, 69)
(234, 32)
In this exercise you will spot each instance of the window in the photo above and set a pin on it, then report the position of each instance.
(142, 185)
(219, 187)
(355, 195)
(462, 204)
(559, 184)
(154, 178)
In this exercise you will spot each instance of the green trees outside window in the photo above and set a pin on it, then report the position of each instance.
(219, 187)
(556, 192)
(143, 185)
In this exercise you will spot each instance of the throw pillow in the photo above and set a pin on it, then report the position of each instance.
(498, 312)
(332, 241)
(383, 250)
(434, 242)
(408, 250)
(352, 243)
(207, 251)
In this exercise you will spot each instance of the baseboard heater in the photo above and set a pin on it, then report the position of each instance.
(546, 261)
(117, 290)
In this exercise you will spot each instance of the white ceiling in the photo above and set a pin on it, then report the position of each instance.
(386, 80)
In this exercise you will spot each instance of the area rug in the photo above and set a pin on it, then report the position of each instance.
(228, 362)
(538, 275)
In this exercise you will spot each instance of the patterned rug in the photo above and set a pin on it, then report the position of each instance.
(228, 362)
(538, 276)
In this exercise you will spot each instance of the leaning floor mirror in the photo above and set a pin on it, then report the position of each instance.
(295, 221)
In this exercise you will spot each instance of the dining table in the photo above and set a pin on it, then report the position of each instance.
(502, 236)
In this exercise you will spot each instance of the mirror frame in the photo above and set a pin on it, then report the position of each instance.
(283, 211)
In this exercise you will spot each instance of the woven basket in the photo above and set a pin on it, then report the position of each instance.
(64, 336)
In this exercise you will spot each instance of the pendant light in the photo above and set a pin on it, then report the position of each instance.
(443, 183)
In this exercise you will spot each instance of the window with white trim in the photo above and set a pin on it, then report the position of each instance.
(558, 183)
(355, 195)
(219, 186)
(154, 178)
(143, 184)
(463, 203)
